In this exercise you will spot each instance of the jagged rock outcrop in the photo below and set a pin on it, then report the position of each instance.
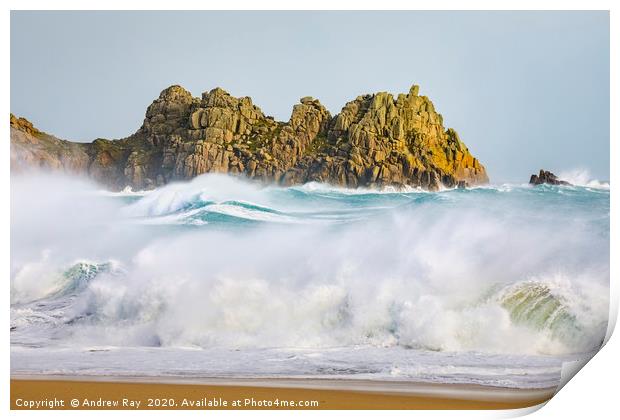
(376, 140)
(546, 177)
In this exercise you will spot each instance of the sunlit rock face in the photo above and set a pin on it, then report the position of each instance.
(375, 141)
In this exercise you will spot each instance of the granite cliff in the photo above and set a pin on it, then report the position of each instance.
(375, 141)
(546, 177)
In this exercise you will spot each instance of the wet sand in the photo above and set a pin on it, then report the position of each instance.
(57, 392)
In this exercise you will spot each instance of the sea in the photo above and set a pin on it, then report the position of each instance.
(221, 277)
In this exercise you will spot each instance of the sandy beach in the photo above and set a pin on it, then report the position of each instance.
(34, 392)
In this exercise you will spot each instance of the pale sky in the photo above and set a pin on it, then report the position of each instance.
(525, 90)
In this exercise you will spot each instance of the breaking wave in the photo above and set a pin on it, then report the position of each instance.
(582, 178)
(223, 263)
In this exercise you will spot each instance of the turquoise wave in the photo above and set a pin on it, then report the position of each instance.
(222, 262)
(197, 207)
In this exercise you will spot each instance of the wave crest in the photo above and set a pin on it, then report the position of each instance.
(463, 270)
(582, 178)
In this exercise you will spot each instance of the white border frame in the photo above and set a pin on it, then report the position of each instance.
(591, 394)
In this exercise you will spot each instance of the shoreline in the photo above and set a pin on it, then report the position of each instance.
(109, 392)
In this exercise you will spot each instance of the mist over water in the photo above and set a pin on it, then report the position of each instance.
(220, 264)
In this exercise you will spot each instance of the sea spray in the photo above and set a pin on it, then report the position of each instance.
(220, 263)
(581, 177)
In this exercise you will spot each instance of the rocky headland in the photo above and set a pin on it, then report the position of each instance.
(375, 141)
(546, 177)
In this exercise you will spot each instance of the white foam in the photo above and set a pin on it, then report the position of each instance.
(125, 192)
(250, 214)
(582, 178)
(202, 189)
(414, 276)
(387, 365)
(320, 187)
